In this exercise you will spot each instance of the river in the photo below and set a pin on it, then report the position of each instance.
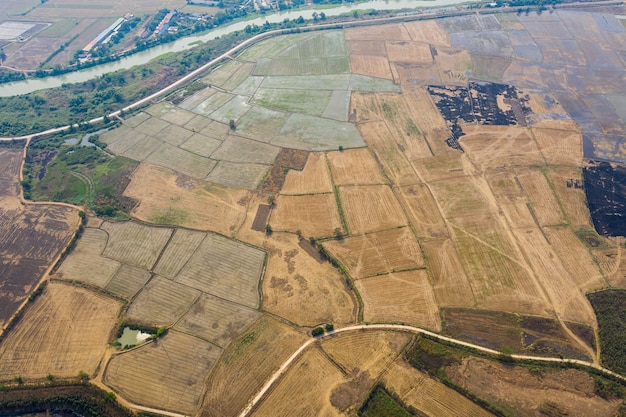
(140, 58)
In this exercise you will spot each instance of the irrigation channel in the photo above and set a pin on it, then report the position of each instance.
(140, 58)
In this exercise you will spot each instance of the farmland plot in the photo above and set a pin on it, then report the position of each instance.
(371, 65)
(544, 202)
(417, 389)
(395, 32)
(128, 281)
(167, 197)
(492, 147)
(162, 302)
(237, 174)
(31, 237)
(451, 284)
(216, 320)
(314, 215)
(89, 268)
(559, 147)
(412, 52)
(428, 31)
(371, 208)
(400, 297)
(377, 253)
(168, 374)
(201, 145)
(64, 331)
(225, 268)
(305, 389)
(261, 124)
(354, 167)
(422, 211)
(567, 183)
(236, 149)
(180, 160)
(365, 351)
(135, 244)
(313, 179)
(247, 363)
(179, 249)
(571, 391)
(302, 288)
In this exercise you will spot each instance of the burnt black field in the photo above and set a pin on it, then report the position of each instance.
(478, 103)
(605, 187)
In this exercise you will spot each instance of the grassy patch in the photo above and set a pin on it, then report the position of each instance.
(610, 308)
(58, 171)
(381, 404)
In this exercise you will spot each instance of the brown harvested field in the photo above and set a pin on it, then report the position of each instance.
(401, 297)
(135, 244)
(453, 65)
(398, 111)
(162, 302)
(544, 202)
(377, 253)
(450, 283)
(419, 107)
(427, 31)
(411, 52)
(473, 201)
(314, 215)
(370, 351)
(31, 236)
(572, 198)
(128, 281)
(80, 266)
(246, 364)
(431, 397)
(395, 165)
(305, 390)
(354, 167)
(64, 331)
(498, 281)
(445, 166)
(365, 107)
(392, 32)
(359, 47)
(569, 391)
(497, 146)
(216, 320)
(559, 147)
(561, 288)
(179, 249)
(168, 374)
(225, 268)
(170, 198)
(545, 104)
(422, 210)
(313, 179)
(372, 65)
(576, 258)
(370, 208)
(301, 289)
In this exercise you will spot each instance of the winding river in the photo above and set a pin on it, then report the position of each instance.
(140, 58)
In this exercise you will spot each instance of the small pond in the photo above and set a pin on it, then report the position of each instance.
(132, 337)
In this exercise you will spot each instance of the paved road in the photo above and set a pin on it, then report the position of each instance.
(397, 327)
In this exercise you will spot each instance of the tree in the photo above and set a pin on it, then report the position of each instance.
(318, 331)
(268, 229)
(323, 16)
(232, 124)
(83, 376)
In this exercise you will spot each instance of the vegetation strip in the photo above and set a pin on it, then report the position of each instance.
(398, 327)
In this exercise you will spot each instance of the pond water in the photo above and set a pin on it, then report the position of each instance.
(132, 337)
(30, 85)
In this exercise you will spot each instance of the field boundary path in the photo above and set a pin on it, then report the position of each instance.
(404, 328)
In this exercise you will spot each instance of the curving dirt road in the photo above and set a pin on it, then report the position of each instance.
(398, 327)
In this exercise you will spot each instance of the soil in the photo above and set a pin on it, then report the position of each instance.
(287, 159)
(260, 220)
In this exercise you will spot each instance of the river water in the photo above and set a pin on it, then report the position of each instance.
(140, 58)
